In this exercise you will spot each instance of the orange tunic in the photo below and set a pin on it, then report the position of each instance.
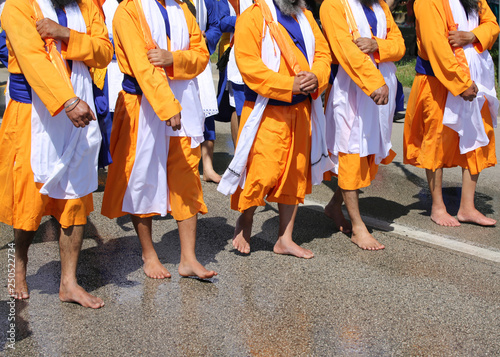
(427, 142)
(279, 160)
(186, 196)
(354, 171)
(21, 204)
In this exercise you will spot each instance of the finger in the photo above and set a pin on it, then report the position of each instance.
(92, 116)
(168, 122)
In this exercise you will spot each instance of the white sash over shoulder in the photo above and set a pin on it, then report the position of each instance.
(233, 73)
(356, 124)
(147, 190)
(271, 54)
(63, 157)
(463, 116)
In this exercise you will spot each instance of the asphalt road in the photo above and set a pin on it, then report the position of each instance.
(433, 291)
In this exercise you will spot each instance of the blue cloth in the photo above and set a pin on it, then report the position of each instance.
(400, 98)
(130, 85)
(371, 17)
(423, 67)
(209, 130)
(19, 88)
(213, 31)
(4, 52)
(227, 22)
(333, 73)
(165, 17)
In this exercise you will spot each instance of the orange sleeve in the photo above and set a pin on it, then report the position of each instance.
(487, 31)
(131, 54)
(358, 65)
(322, 57)
(27, 55)
(93, 48)
(432, 33)
(392, 48)
(188, 64)
(247, 47)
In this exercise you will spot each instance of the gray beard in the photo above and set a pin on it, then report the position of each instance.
(470, 6)
(287, 7)
(60, 4)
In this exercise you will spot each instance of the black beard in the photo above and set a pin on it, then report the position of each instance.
(61, 4)
(368, 3)
(291, 7)
(470, 6)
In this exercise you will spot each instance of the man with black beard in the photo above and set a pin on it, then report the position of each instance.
(49, 139)
(365, 41)
(274, 156)
(452, 108)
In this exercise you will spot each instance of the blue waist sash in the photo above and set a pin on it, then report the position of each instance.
(424, 67)
(251, 96)
(334, 69)
(19, 88)
(130, 85)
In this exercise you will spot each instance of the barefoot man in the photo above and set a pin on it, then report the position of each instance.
(364, 40)
(453, 107)
(155, 153)
(277, 150)
(49, 139)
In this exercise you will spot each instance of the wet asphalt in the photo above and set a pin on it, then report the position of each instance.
(415, 298)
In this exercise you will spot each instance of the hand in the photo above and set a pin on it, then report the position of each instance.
(174, 122)
(461, 38)
(79, 114)
(366, 45)
(203, 34)
(160, 58)
(470, 93)
(50, 29)
(308, 82)
(381, 95)
(296, 85)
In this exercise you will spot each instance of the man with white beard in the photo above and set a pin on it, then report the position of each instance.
(365, 41)
(279, 153)
(453, 107)
(49, 139)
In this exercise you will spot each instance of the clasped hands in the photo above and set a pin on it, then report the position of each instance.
(305, 83)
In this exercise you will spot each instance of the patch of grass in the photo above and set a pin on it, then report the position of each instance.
(406, 71)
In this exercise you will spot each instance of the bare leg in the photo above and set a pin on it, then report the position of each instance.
(360, 235)
(189, 265)
(207, 156)
(467, 211)
(23, 240)
(243, 231)
(70, 243)
(333, 210)
(235, 124)
(285, 244)
(153, 268)
(439, 215)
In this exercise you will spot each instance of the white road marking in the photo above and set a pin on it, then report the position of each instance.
(422, 236)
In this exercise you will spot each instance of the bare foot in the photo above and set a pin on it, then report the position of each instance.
(154, 269)
(291, 248)
(365, 240)
(194, 268)
(20, 291)
(334, 212)
(75, 293)
(443, 218)
(474, 216)
(211, 176)
(242, 233)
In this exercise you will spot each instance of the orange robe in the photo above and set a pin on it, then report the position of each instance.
(279, 161)
(186, 196)
(354, 171)
(21, 203)
(427, 142)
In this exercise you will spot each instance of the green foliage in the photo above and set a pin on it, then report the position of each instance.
(406, 71)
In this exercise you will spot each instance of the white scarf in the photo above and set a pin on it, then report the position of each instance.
(356, 124)
(63, 157)
(233, 73)
(208, 95)
(115, 76)
(147, 189)
(236, 172)
(463, 116)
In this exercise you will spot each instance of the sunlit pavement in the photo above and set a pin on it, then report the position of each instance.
(433, 291)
